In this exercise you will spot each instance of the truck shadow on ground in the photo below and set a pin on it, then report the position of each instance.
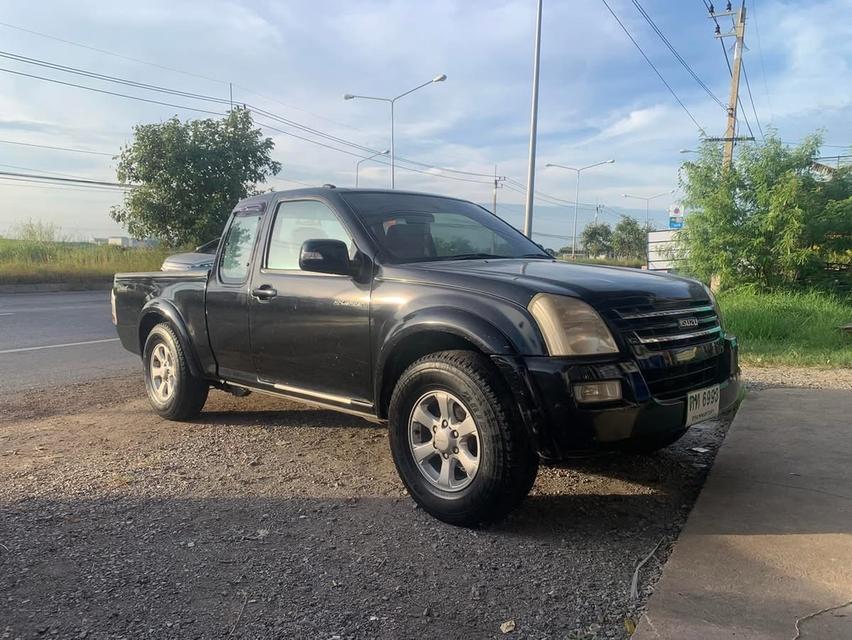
(308, 567)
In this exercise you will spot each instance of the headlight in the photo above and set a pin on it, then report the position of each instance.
(715, 305)
(570, 327)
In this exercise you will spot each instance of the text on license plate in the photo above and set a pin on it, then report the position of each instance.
(702, 404)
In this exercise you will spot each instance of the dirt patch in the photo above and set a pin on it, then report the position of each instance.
(267, 519)
(805, 377)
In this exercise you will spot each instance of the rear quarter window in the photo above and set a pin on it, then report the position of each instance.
(239, 245)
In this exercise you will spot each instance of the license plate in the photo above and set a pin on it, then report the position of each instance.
(702, 404)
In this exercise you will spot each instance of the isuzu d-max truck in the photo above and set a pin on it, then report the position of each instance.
(482, 353)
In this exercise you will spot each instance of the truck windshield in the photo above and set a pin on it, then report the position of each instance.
(419, 228)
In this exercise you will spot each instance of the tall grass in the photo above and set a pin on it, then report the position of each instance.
(636, 263)
(792, 328)
(29, 261)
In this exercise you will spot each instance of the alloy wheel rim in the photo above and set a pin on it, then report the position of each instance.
(444, 441)
(162, 373)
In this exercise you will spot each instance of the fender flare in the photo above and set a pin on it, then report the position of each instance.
(167, 312)
(457, 322)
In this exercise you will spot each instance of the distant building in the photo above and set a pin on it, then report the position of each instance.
(661, 245)
(124, 241)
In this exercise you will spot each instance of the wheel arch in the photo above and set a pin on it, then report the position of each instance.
(160, 311)
(431, 332)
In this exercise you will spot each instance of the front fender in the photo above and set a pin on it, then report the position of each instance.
(159, 310)
(451, 321)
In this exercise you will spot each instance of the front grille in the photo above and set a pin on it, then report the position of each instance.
(666, 326)
(676, 381)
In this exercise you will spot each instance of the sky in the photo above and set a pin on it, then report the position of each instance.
(599, 99)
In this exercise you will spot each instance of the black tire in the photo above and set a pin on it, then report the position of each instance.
(188, 392)
(507, 461)
(652, 444)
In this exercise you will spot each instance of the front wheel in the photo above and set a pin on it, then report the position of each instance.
(173, 391)
(457, 441)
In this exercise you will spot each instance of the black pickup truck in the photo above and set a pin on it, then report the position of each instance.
(482, 353)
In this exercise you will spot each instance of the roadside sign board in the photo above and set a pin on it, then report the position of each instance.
(676, 212)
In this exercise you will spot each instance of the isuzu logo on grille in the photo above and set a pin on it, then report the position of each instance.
(687, 323)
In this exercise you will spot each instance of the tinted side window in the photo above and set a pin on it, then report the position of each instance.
(296, 222)
(236, 255)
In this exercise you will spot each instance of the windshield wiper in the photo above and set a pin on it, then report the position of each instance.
(546, 256)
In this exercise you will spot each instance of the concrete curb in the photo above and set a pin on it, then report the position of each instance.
(50, 287)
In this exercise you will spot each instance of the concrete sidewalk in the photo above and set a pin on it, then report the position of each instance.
(770, 537)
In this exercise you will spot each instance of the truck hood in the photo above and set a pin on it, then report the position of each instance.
(522, 278)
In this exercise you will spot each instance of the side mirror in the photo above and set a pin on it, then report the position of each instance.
(325, 256)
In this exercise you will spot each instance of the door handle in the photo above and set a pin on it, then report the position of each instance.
(264, 292)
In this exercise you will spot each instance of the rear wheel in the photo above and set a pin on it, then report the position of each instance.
(173, 391)
(456, 439)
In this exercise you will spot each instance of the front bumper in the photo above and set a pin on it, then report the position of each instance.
(543, 389)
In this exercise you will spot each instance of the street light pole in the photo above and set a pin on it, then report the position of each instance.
(362, 160)
(528, 210)
(576, 195)
(392, 101)
(648, 202)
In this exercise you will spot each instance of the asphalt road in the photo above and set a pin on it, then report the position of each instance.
(49, 339)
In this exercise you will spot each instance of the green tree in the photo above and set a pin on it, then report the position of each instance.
(629, 239)
(597, 240)
(769, 220)
(190, 175)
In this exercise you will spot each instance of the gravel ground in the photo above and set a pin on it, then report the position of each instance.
(266, 519)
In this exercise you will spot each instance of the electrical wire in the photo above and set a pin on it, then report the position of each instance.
(167, 68)
(209, 98)
(751, 99)
(651, 64)
(38, 184)
(110, 93)
(48, 146)
(677, 56)
(49, 178)
(760, 55)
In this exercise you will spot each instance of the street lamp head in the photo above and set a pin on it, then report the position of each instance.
(550, 164)
(385, 152)
(609, 161)
(687, 151)
(348, 96)
(440, 78)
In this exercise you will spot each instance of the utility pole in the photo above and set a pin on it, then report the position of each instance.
(497, 185)
(739, 34)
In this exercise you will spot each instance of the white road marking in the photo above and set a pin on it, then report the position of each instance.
(58, 346)
(7, 314)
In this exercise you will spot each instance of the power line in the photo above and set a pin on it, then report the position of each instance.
(105, 52)
(204, 97)
(110, 93)
(679, 58)
(651, 64)
(265, 125)
(166, 68)
(38, 184)
(760, 54)
(55, 173)
(49, 178)
(48, 146)
(751, 99)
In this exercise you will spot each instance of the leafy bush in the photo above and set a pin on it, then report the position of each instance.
(770, 220)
